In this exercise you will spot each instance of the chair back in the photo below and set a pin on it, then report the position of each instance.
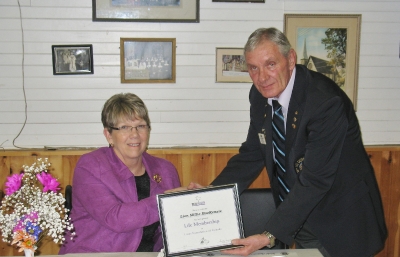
(68, 198)
(257, 206)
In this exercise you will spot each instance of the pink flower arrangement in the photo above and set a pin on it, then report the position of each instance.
(33, 208)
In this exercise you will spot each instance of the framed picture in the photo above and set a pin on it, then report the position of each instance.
(148, 60)
(240, 1)
(231, 65)
(146, 10)
(72, 59)
(329, 44)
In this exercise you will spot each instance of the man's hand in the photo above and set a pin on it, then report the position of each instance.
(250, 245)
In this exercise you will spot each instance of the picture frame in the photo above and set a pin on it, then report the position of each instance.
(148, 60)
(72, 59)
(313, 38)
(240, 1)
(230, 65)
(146, 10)
(200, 220)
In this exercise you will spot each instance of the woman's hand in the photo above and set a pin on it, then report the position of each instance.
(192, 185)
(177, 189)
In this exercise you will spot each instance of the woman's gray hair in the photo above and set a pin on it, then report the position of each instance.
(268, 34)
(124, 106)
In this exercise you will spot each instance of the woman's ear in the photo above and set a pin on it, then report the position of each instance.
(108, 136)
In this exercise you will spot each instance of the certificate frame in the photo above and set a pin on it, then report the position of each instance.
(200, 220)
(312, 30)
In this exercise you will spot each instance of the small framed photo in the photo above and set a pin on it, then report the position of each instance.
(240, 1)
(329, 44)
(148, 60)
(72, 59)
(146, 10)
(231, 65)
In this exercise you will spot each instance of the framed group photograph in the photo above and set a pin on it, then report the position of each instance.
(329, 44)
(231, 65)
(148, 60)
(146, 10)
(72, 59)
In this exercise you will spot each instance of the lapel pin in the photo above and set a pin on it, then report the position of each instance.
(157, 178)
(298, 165)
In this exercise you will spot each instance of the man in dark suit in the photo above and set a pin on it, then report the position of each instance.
(322, 180)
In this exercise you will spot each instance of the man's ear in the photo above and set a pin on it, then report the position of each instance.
(292, 58)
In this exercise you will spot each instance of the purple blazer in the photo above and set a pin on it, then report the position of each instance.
(106, 213)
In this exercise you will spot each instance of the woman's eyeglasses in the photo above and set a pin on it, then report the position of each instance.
(128, 129)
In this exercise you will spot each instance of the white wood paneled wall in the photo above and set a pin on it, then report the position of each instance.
(64, 111)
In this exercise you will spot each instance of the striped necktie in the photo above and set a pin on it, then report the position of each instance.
(278, 140)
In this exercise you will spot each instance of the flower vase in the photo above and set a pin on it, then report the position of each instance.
(29, 253)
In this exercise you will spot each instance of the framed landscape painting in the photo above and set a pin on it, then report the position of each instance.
(329, 44)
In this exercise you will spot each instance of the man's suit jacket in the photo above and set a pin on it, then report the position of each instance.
(106, 212)
(333, 186)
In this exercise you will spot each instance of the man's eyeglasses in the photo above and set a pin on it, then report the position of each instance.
(128, 129)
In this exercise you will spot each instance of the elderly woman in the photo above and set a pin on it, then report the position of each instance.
(115, 187)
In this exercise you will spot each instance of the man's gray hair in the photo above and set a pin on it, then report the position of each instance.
(268, 34)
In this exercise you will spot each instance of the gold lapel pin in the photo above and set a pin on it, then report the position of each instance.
(157, 178)
(298, 165)
(294, 120)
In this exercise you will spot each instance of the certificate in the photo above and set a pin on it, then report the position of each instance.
(200, 220)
